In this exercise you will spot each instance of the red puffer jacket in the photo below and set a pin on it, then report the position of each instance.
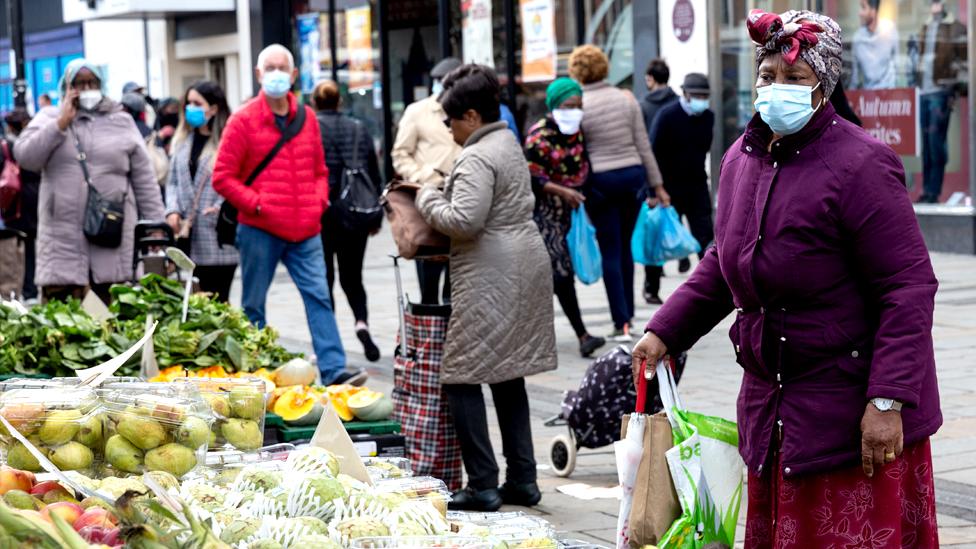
(293, 190)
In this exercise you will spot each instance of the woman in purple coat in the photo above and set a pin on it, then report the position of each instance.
(819, 254)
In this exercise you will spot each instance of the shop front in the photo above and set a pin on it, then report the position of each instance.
(381, 52)
(906, 78)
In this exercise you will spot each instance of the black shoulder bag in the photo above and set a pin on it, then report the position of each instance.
(227, 219)
(103, 217)
(359, 203)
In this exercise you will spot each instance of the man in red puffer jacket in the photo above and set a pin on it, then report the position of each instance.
(279, 214)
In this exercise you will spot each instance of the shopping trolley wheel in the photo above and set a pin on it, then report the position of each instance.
(562, 455)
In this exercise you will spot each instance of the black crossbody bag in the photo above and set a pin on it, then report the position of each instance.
(227, 219)
(104, 218)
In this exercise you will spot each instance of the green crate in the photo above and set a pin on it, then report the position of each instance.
(273, 420)
(386, 427)
(8, 377)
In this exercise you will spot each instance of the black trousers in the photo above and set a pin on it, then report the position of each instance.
(471, 423)
(429, 277)
(344, 251)
(565, 290)
(216, 279)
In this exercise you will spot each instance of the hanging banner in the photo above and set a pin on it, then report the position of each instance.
(359, 44)
(683, 37)
(476, 34)
(538, 40)
(890, 116)
(308, 42)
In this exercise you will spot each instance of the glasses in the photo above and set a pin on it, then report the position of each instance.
(87, 84)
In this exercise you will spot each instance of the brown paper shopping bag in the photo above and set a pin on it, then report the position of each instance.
(655, 506)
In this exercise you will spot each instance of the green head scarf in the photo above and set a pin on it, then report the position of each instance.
(71, 71)
(560, 90)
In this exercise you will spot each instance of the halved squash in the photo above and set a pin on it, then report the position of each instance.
(370, 406)
(297, 406)
(296, 371)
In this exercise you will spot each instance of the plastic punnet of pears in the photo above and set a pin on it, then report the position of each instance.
(154, 427)
(66, 424)
(238, 406)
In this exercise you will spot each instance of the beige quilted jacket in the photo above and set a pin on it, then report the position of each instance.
(501, 325)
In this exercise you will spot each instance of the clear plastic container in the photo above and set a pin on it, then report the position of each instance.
(224, 466)
(67, 424)
(427, 489)
(579, 544)
(238, 406)
(420, 542)
(155, 428)
(383, 468)
(512, 528)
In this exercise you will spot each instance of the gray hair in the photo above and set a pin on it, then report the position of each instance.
(271, 50)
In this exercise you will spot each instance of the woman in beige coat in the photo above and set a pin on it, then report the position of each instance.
(501, 326)
(67, 264)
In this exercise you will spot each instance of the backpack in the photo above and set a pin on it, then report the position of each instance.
(9, 185)
(358, 206)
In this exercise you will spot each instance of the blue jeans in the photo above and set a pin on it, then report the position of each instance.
(613, 201)
(260, 253)
(935, 112)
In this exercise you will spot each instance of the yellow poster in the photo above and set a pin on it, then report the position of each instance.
(359, 44)
(538, 40)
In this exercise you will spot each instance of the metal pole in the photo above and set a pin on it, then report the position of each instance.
(16, 23)
(510, 48)
(333, 41)
(972, 108)
(580, 22)
(444, 27)
(385, 86)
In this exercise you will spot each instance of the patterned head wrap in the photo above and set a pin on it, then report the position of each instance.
(816, 40)
(71, 71)
(560, 90)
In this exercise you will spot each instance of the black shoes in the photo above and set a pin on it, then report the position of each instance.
(589, 344)
(652, 299)
(469, 499)
(370, 349)
(355, 377)
(684, 265)
(523, 495)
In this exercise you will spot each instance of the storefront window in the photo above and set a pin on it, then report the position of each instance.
(905, 77)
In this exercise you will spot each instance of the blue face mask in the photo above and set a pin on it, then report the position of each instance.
(276, 83)
(785, 108)
(437, 88)
(196, 116)
(697, 105)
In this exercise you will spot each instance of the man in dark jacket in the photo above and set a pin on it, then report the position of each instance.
(681, 137)
(659, 95)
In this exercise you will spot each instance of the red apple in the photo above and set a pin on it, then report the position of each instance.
(94, 516)
(15, 479)
(101, 535)
(42, 488)
(66, 510)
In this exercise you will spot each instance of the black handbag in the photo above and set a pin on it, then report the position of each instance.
(227, 218)
(104, 218)
(358, 206)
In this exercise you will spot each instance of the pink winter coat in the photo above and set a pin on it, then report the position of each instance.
(118, 164)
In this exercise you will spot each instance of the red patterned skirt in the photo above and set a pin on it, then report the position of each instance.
(845, 509)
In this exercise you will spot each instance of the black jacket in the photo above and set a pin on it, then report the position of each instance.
(680, 142)
(654, 102)
(341, 145)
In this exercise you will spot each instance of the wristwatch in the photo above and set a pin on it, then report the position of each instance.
(886, 404)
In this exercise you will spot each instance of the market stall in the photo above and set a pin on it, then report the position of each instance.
(221, 439)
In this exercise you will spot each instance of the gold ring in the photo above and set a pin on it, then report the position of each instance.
(890, 456)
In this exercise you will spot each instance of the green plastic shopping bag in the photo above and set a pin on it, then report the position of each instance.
(706, 470)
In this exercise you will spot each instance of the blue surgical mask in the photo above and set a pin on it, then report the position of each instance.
(276, 84)
(437, 88)
(196, 116)
(697, 105)
(785, 108)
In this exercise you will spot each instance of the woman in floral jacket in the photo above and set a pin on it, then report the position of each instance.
(558, 165)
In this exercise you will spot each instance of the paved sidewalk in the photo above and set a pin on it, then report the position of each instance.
(710, 384)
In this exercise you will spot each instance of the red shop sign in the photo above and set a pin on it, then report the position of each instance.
(890, 116)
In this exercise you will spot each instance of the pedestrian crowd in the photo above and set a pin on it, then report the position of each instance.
(814, 246)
